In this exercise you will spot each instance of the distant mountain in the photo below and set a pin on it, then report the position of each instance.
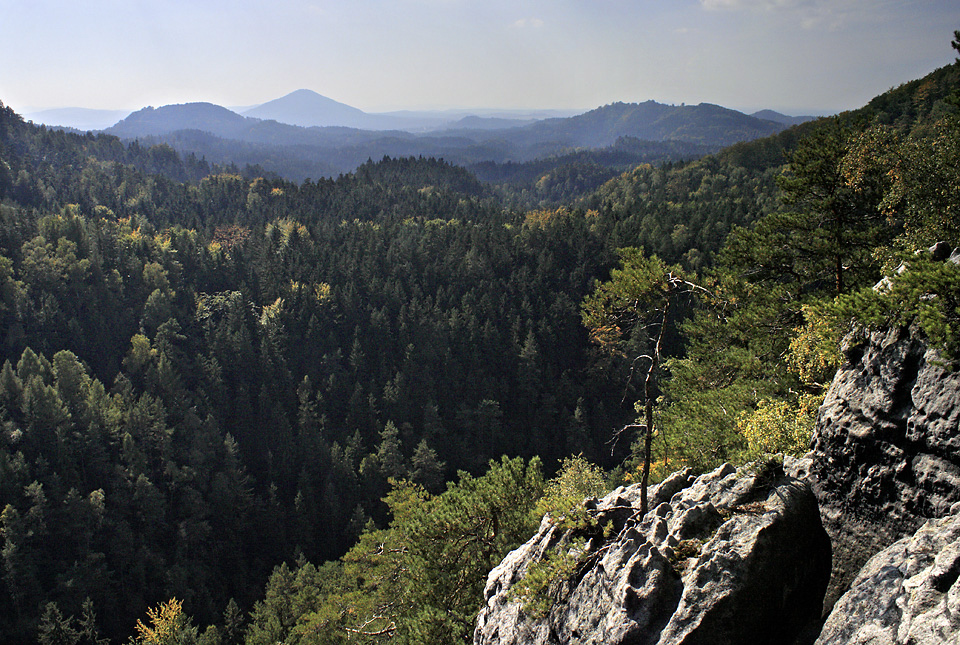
(82, 119)
(776, 117)
(307, 108)
(436, 120)
(298, 152)
(651, 121)
(205, 117)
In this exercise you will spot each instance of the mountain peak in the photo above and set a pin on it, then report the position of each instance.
(303, 92)
(307, 108)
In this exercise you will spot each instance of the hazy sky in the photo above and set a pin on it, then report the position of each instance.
(796, 56)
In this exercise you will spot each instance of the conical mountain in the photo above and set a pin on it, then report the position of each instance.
(307, 108)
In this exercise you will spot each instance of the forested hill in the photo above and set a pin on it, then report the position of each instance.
(37, 159)
(204, 374)
(697, 203)
(652, 121)
(297, 153)
(203, 379)
(191, 116)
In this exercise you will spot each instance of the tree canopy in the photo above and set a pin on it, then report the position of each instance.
(236, 408)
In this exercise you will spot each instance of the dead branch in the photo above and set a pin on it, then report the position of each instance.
(362, 630)
(616, 435)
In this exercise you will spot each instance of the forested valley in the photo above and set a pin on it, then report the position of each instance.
(238, 409)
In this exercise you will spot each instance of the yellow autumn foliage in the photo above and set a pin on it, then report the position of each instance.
(168, 625)
(779, 426)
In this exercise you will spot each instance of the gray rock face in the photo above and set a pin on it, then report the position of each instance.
(886, 451)
(722, 558)
(906, 594)
(728, 558)
(887, 440)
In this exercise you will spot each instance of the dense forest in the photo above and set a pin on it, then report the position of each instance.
(238, 409)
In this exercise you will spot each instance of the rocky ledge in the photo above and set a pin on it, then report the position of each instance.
(726, 557)
(744, 557)
(907, 593)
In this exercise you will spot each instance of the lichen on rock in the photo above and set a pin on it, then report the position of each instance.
(758, 575)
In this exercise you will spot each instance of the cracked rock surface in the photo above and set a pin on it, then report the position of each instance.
(726, 557)
(886, 450)
(906, 594)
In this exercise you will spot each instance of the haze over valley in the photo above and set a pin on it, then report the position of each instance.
(365, 369)
(305, 135)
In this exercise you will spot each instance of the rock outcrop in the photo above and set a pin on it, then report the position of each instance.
(907, 593)
(886, 450)
(738, 558)
(727, 557)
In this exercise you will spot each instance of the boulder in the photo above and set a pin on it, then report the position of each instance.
(906, 594)
(727, 557)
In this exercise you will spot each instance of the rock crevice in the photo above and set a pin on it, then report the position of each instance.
(690, 571)
(886, 450)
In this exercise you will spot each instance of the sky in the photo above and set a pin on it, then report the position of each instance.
(794, 56)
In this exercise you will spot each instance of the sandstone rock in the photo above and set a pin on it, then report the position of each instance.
(906, 594)
(727, 558)
(886, 450)
(722, 558)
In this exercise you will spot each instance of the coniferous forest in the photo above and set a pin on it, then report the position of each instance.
(238, 409)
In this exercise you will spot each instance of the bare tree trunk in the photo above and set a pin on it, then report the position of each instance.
(648, 385)
(647, 444)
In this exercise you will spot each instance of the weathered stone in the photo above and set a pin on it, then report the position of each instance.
(906, 594)
(886, 450)
(727, 558)
(723, 558)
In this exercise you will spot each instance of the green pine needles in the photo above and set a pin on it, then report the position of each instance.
(924, 292)
(563, 503)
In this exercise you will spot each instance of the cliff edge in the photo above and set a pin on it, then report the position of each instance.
(727, 557)
(858, 542)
